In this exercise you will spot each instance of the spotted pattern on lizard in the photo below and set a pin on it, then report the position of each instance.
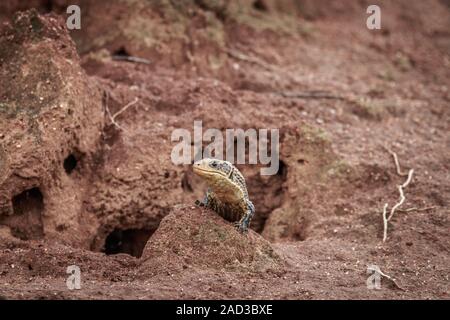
(227, 193)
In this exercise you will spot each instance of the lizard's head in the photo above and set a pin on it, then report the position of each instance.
(212, 169)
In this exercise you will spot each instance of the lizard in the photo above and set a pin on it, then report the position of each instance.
(227, 192)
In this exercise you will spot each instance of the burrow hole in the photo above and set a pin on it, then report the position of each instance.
(47, 6)
(129, 241)
(282, 170)
(26, 221)
(260, 5)
(121, 52)
(70, 163)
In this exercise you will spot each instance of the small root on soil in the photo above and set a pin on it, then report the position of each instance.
(131, 59)
(417, 209)
(246, 58)
(313, 94)
(113, 117)
(392, 280)
(386, 218)
(397, 164)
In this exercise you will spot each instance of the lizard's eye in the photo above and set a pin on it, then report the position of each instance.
(214, 164)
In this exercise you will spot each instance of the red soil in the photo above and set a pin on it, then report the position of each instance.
(76, 189)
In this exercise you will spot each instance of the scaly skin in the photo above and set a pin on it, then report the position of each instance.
(227, 194)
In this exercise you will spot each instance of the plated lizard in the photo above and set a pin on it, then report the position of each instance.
(227, 193)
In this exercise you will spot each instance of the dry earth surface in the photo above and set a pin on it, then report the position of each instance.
(85, 182)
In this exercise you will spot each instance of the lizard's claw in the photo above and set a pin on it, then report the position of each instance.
(199, 203)
(241, 227)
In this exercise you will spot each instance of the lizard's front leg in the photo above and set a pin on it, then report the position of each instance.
(244, 223)
(204, 202)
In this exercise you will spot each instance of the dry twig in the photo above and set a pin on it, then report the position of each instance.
(113, 117)
(386, 219)
(397, 164)
(130, 59)
(242, 56)
(385, 222)
(313, 94)
(390, 279)
(417, 209)
(402, 195)
(125, 108)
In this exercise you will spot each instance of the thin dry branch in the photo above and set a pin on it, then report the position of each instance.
(402, 195)
(400, 190)
(113, 117)
(109, 112)
(125, 108)
(131, 59)
(390, 279)
(417, 209)
(313, 94)
(112, 120)
(385, 222)
(397, 164)
(244, 57)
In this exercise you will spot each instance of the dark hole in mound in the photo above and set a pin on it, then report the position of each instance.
(26, 222)
(282, 169)
(130, 241)
(121, 52)
(186, 184)
(47, 6)
(70, 163)
(267, 194)
(259, 5)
